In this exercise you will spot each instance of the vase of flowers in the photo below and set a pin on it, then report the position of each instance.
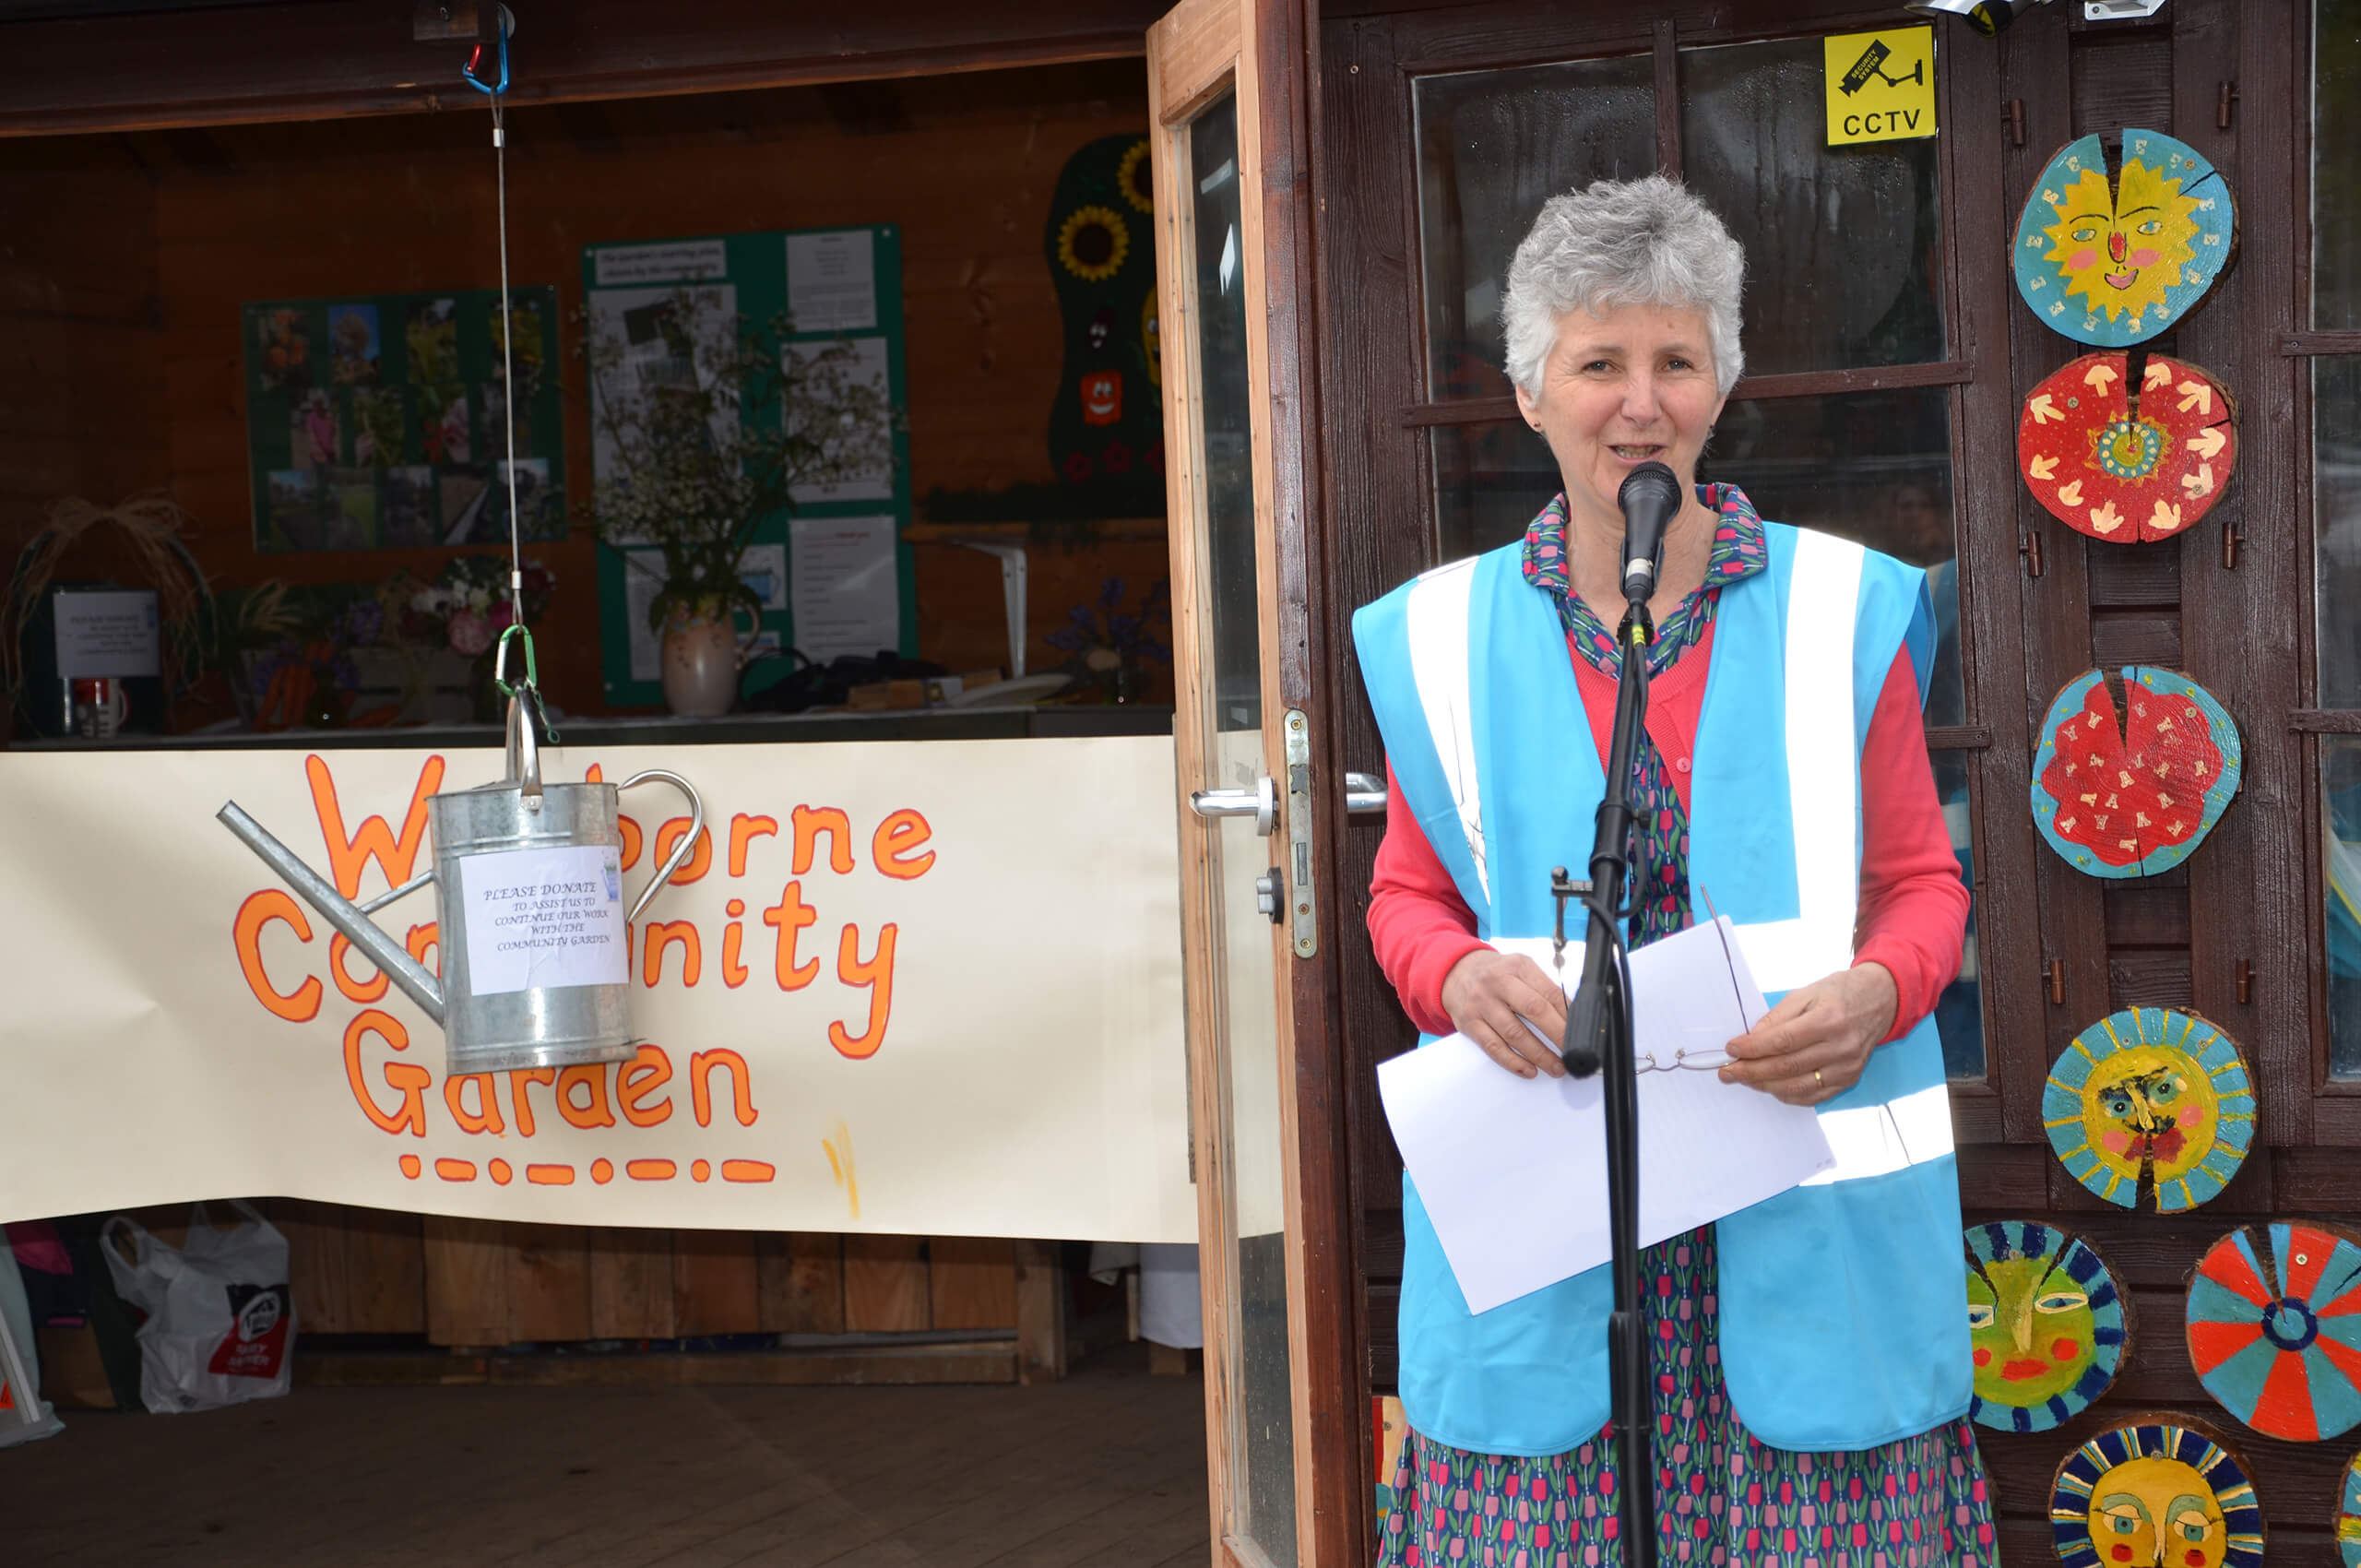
(1107, 649)
(709, 426)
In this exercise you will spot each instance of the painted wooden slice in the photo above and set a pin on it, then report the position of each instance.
(2134, 796)
(2115, 262)
(2348, 1515)
(2158, 1488)
(2124, 463)
(2151, 1108)
(2048, 1326)
(2277, 1338)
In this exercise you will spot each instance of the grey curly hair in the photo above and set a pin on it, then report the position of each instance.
(1620, 242)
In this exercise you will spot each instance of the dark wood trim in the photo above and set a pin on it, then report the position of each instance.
(1795, 384)
(331, 58)
(1958, 737)
(1666, 50)
(2246, 900)
(2300, 345)
(2325, 721)
(2035, 903)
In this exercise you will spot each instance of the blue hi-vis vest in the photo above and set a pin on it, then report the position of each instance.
(1842, 1301)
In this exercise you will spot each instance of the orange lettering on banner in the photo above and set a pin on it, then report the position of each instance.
(520, 1079)
(641, 1076)
(408, 1077)
(890, 846)
(788, 917)
(741, 1087)
(300, 1005)
(486, 1119)
(810, 823)
(877, 974)
(743, 831)
(423, 937)
(592, 1112)
(700, 861)
(733, 973)
(662, 934)
(355, 991)
(373, 840)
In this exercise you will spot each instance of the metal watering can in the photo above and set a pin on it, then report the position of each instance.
(543, 979)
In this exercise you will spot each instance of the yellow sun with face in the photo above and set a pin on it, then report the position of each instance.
(2122, 250)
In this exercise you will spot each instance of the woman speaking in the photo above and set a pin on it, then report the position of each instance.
(1809, 1355)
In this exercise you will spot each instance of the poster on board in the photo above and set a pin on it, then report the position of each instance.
(835, 287)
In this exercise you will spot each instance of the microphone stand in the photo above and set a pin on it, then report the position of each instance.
(1599, 1038)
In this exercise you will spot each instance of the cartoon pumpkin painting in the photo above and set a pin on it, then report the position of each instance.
(2156, 1490)
(2114, 256)
(2151, 1107)
(2048, 1324)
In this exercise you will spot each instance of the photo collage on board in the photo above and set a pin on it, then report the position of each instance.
(382, 422)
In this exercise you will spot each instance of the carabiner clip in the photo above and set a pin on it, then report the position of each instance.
(475, 58)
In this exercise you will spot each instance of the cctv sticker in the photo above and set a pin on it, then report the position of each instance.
(1880, 86)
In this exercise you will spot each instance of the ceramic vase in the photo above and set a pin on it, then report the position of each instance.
(700, 660)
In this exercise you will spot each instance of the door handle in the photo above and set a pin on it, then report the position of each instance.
(1364, 794)
(1261, 802)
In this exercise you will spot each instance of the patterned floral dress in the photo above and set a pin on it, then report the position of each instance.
(1721, 1498)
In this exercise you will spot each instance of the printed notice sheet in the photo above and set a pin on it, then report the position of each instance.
(832, 281)
(544, 918)
(841, 580)
(1513, 1171)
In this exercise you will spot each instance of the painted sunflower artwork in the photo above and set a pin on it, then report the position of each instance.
(2157, 1489)
(2275, 1331)
(2151, 1108)
(2348, 1515)
(1107, 423)
(2048, 1326)
(2111, 250)
(2129, 464)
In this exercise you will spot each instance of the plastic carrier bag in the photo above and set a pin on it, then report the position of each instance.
(220, 1323)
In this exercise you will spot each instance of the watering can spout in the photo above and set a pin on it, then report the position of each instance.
(388, 955)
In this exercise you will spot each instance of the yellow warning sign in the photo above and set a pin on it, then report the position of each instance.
(1880, 86)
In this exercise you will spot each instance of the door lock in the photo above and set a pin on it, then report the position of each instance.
(1271, 894)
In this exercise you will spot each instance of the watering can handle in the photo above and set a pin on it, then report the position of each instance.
(688, 843)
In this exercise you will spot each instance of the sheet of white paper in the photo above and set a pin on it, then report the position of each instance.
(110, 632)
(669, 261)
(644, 327)
(544, 918)
(1513, 1171)
(832, 281)
(841, 578)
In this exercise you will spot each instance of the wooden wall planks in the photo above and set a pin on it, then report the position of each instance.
(480, 1283)
(130, 256)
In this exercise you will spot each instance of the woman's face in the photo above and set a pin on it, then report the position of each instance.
(1633, 386)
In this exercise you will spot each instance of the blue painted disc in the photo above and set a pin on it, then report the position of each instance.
(2115, 260)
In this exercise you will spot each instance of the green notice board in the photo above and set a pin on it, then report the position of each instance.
(378, 421)
(833, 571)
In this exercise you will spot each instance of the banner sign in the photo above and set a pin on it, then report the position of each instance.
(917, 988)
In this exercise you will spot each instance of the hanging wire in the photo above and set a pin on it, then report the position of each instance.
(497, 91)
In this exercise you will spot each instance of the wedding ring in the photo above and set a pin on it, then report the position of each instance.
(1817, 1079)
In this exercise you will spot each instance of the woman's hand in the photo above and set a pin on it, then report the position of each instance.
(1492, 996)
(1813, 1045)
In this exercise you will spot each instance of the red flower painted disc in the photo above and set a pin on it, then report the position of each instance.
(2127, 464)
(2131, 795)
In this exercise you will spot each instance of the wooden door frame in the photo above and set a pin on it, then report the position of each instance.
(1269, 47)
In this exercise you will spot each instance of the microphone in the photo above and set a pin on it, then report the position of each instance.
(1650, 499)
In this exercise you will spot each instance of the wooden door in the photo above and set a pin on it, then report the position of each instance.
(1232, 259)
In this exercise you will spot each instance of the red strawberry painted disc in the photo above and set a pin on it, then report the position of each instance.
(2133, 795)
(2127, 464)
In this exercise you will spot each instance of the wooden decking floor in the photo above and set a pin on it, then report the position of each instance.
(1107, 1467)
